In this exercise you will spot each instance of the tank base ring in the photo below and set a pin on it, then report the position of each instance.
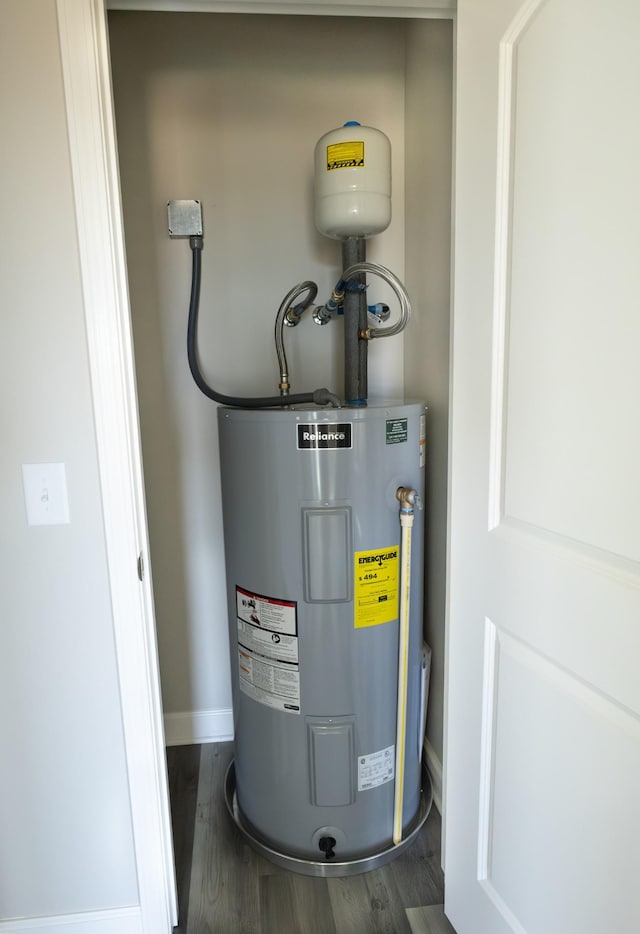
(325, 868)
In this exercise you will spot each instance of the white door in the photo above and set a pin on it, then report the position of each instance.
(542, 813)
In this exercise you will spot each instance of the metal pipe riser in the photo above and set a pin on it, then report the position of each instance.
(355, 312)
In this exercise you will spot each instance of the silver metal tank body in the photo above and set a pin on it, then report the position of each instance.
(312, 547)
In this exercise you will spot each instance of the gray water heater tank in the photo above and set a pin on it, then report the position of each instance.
(312, 547)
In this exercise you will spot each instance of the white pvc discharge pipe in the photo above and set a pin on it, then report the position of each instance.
(409, 499)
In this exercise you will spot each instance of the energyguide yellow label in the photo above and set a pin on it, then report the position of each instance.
(348, 155)
(375, 586)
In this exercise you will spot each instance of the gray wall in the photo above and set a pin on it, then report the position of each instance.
(207, 108)
(66, 840)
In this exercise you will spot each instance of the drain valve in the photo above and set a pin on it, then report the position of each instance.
(327, 844)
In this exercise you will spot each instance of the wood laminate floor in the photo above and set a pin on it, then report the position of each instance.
(224, 887)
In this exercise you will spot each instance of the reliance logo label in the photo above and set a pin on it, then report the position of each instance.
(324, 436)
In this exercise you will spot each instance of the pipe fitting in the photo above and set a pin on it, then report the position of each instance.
(378, 312)
(324, 397)
(409, 499)
(321, 315)
(291, 318)
(401, 294)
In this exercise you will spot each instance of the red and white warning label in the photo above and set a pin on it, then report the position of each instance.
(268, 650)
(275, 615)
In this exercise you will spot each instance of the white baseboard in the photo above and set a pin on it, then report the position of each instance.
(198, 726)
(434, 767)
(112, 921)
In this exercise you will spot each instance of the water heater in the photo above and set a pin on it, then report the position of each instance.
(312, 547)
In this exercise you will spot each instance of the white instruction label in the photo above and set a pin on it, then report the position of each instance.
(269, 644)
(268, 650)
(377, 768)
(268, 682)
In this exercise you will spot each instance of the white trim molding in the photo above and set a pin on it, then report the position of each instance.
(111, 921)
(419, 9)
(92, 145)
(198, 726)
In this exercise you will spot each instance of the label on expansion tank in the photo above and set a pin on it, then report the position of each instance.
(268, 650)
(346, 155)
(323, 436)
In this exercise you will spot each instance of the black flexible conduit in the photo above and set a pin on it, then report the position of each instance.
(318, 396)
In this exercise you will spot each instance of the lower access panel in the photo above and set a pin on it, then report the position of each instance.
(331, 761)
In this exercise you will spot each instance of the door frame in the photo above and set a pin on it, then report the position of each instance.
(94, 165)
(84, 50)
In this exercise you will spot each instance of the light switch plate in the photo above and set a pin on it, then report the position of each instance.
(45, 494)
